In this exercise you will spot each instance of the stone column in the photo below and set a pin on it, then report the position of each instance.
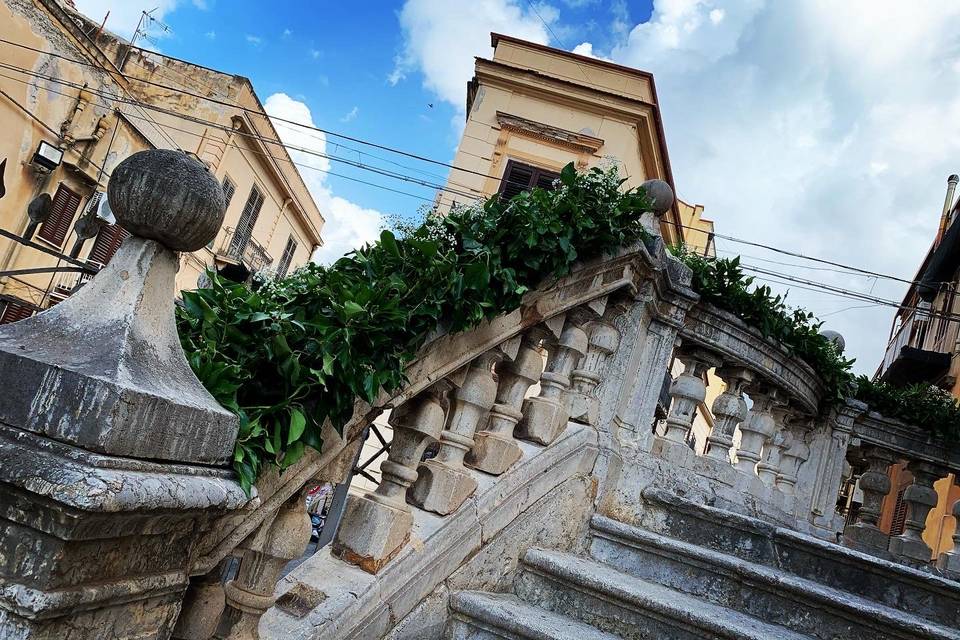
(791, 460)
(829, 461)
(729, 410)
(949, 561)
(687, 392)
(864, 534)
(602, 343)
(545, 416)
(113, 457)
(769, 466)
(495, 449)
(920, 498)
(757, 428)
(266, 553)
(375, 526)
(444, 483)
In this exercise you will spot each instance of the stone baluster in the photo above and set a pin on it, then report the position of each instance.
(920, 497)
(375, 526)
(758, 427)
(495, 448)
(265, 553)
(444, 483)
(545, 416)
(203, 605)
(769, 466)
(729, 410)
(865, 534)
(792, 458)
(949, 561)
(604, 338)
(687, 392)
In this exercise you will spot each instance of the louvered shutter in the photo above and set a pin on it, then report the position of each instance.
(899, 514)
(251, 210)
(62, 210)
(107, 243)
(13, 311)
(228, 190)
(287, 257)
(520, 177)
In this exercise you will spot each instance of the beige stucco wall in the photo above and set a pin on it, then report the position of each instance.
(228, 141)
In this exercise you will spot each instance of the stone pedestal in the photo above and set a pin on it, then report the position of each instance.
(108, 442)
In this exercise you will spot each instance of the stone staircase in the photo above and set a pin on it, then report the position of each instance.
(694, 571)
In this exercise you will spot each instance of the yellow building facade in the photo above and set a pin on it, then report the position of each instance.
(73, 88)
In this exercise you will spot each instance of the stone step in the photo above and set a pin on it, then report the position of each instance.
(487, 616)
(903, 588)
(770, 594)
(629, 607)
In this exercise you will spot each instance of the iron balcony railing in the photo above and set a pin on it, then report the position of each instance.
(243, 248)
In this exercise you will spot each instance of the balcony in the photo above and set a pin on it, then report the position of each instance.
(919, 350)
(67, 283)
(242, 255)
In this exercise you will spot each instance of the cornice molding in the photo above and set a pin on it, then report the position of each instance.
(579, 142)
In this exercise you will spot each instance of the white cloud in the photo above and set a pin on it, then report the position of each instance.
(211, 35)
(348, 225)
(584, 49)
(124, 14)
(287, 33)
(825, 128)
(253, 40)
(441, 39)
(351, 115)
(315, 53)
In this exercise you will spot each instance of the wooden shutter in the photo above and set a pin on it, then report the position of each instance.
(899, 514)
(287, 257)
(13, 311)
(247, 221)
(107, 243)
(64, 207)
(228, 190)
(519, 177)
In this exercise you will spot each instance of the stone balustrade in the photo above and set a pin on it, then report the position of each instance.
(877, 443)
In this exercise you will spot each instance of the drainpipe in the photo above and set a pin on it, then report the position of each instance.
(947, 207)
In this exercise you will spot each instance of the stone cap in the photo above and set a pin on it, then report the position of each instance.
(104, 369)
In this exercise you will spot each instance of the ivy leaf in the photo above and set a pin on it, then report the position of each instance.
(298, 422)
(351, 308)
(389, 242)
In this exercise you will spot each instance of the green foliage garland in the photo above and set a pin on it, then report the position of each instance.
(722, 283)
(300, 350)
(921, 405)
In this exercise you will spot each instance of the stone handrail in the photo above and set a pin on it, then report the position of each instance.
(876, 442)
(551, 313)
(742, 345)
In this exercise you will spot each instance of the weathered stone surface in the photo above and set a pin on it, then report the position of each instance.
(487, 616)
(167, 196)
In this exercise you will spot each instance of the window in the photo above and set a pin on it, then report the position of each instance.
(251, 210)
(107, 243)
(519, 177)
(228, 190)
(64, 207)
(287, 256)
(12, 310)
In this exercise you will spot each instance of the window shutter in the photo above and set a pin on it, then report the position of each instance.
(519, 177)
(64, 207)
(899, 514)
(228, 190)
(13, 311)
(287, 257)
(107, 243)
(247, 221)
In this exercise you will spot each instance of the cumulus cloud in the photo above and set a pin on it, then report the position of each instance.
(824, 128)
(348, 225)
(827, 129)
(441, 39)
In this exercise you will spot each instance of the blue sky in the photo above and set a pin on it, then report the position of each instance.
(824, 128)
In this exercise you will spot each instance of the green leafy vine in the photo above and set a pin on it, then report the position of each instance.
(922, 405)
(298, 351)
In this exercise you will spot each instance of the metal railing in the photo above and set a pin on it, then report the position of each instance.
(243, 248)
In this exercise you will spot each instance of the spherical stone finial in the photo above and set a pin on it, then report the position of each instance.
(953, 179)
(167, 196)
(835, 338)
(662, 195)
